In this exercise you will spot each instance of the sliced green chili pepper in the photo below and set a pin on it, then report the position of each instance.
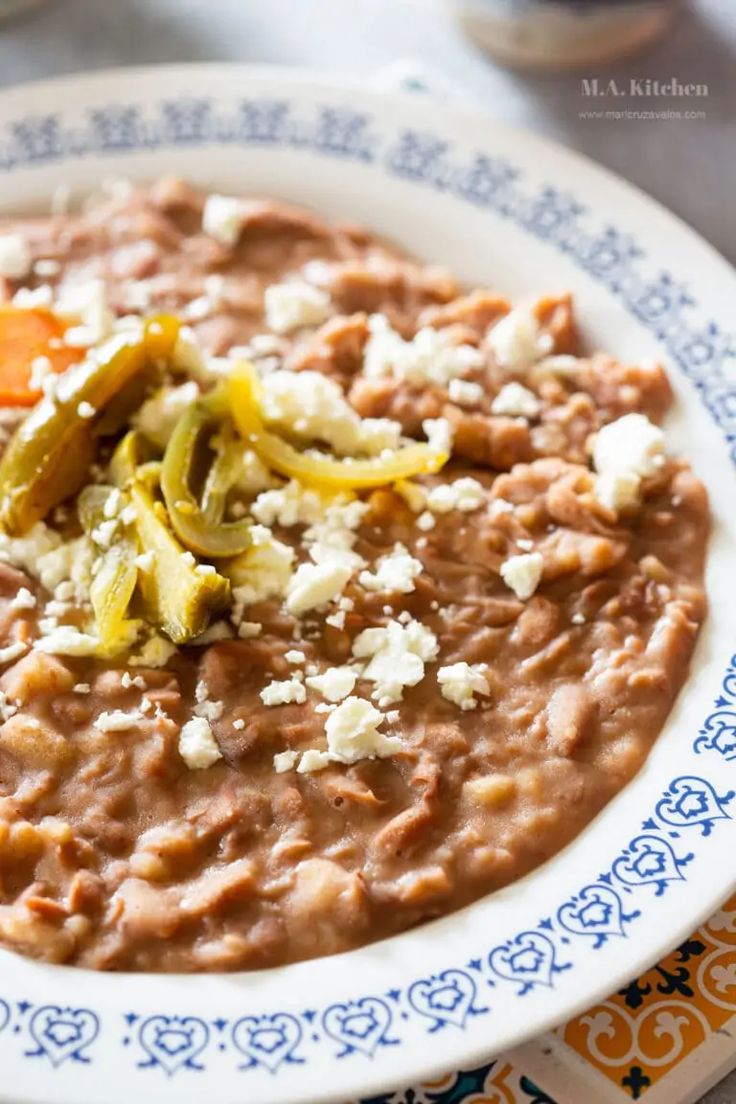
(200, 527)
(244, 391)
(115, 579)
(178, 597)
(49, 456)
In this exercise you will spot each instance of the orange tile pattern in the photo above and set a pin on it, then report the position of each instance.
(640, 1033)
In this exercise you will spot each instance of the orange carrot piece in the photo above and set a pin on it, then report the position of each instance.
(25, 335)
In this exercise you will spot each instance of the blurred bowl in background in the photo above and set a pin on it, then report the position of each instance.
(563, 34)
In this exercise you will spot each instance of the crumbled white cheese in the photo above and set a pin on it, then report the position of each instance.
(352, 734)
(82, 688)
(86, 410)
(292, 504)
(331, 539)
(66, 640)
(396, 571)
(158, 416)
(460, 682)
(223, 217)
(247, 630)
(313, 760)
(263, 571)
(85, 304)
(499, 507)
(31, 298)
(335, 684)
(430, 357)
(23, 600)
(517, 401)
(631, 444)
(127, 681)
(625, 452)
(516, 340)
(197, 745)
(312, 406)
(463, 494)
(523, 573)
(397, 654)
(15, 257)
(290, 305)
(26, 551)
(313, 584)
(285, 761)
(618, 491)
(47, 267)
(284, 692)
(294, 655)
(104, 533)
(439, 434)
(562, 364)
(117, 720)
(11, 652)
(465, 392)
(42, 377)
(146, 561)
(205, 707)
(426, 521)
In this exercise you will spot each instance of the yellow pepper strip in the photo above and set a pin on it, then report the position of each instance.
(244, 391)
(203, 532)
(115, 579)
(48, 457)
(177, 597)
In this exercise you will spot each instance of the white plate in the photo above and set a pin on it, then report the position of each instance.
(506, 209)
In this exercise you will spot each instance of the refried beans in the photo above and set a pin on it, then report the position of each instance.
(336, 597)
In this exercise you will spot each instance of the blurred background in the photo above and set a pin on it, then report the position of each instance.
(689, 164)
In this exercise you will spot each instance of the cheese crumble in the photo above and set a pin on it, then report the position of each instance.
(517, 401)
(335, 684)
(223, 218)
(396, 655)
(516, 341)
(460, 682)
(464, 494)
(625, 452)
(523, 573)
(312, 406)
(396, 571)
(284, 692)
(294, 304)
(15, 257)
(352, 734)
(197, 745)
(430, 356)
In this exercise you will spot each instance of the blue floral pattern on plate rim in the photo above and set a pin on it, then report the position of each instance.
(689, 810)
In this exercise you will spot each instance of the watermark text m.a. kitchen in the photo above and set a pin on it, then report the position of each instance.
(645, 87)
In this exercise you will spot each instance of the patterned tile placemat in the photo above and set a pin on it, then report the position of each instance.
(665, 1038)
